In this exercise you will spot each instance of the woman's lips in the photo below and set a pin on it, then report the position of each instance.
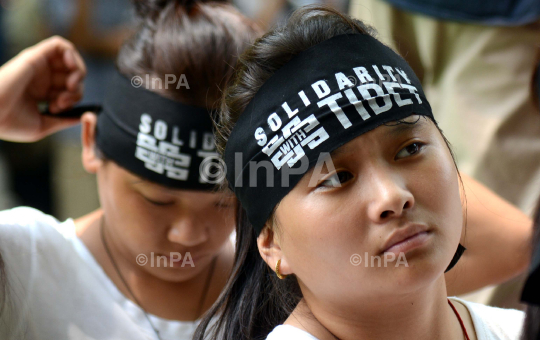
(406, 238)
(410, 243)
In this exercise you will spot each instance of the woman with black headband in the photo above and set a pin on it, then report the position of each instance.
(350, 204)
(158, 252)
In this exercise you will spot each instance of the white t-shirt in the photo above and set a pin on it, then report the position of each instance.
(490, 323)
(57, 290)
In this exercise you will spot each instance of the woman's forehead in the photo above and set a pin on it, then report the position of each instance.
(383, 133)
(137, 182)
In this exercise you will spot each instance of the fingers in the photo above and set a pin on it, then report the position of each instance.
(57, 63)
(76, 68)
(67, 71)
(69, 60)
(74, 80)
(65, 62)
(52, 70)
(61, 100)
(74, 61)
(64, 80)
(59, 80)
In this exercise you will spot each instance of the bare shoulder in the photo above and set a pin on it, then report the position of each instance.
(84, 222)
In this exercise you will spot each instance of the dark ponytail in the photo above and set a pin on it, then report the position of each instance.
(255, 300)
(196, 39)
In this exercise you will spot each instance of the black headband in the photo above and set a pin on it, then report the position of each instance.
(323, 98)
(158, 139)
(531, 290)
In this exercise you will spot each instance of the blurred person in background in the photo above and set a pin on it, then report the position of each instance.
(85, 278)
(477, 62)
(268, 13)
(97, 28)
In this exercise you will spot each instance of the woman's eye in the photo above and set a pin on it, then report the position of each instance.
(224, 205)
(409, 150)
(158, 203)
(336, 180)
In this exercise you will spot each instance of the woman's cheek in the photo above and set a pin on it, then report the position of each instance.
(442, 196)
(139, 218)
(317, 233)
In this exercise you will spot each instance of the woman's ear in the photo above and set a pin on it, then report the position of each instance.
(270, 251)
(90, 160)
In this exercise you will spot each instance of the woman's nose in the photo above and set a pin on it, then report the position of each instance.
(187, 231)
(389, 197)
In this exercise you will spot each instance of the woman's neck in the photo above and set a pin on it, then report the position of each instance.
(169, 300)
(424, 315)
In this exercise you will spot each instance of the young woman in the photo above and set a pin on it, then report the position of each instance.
(356, 208)
(156, 255)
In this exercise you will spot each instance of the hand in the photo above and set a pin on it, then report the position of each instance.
(51, 71)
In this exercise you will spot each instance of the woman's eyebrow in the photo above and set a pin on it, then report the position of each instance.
(137, 181)
(340, 151)
(405, 127)
(394, 130)
(164, 190)
(401, 128)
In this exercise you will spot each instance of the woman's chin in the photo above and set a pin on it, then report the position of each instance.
(175, 273)
(421, 270)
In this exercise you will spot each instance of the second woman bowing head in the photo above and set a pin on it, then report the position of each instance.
(156, 255)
